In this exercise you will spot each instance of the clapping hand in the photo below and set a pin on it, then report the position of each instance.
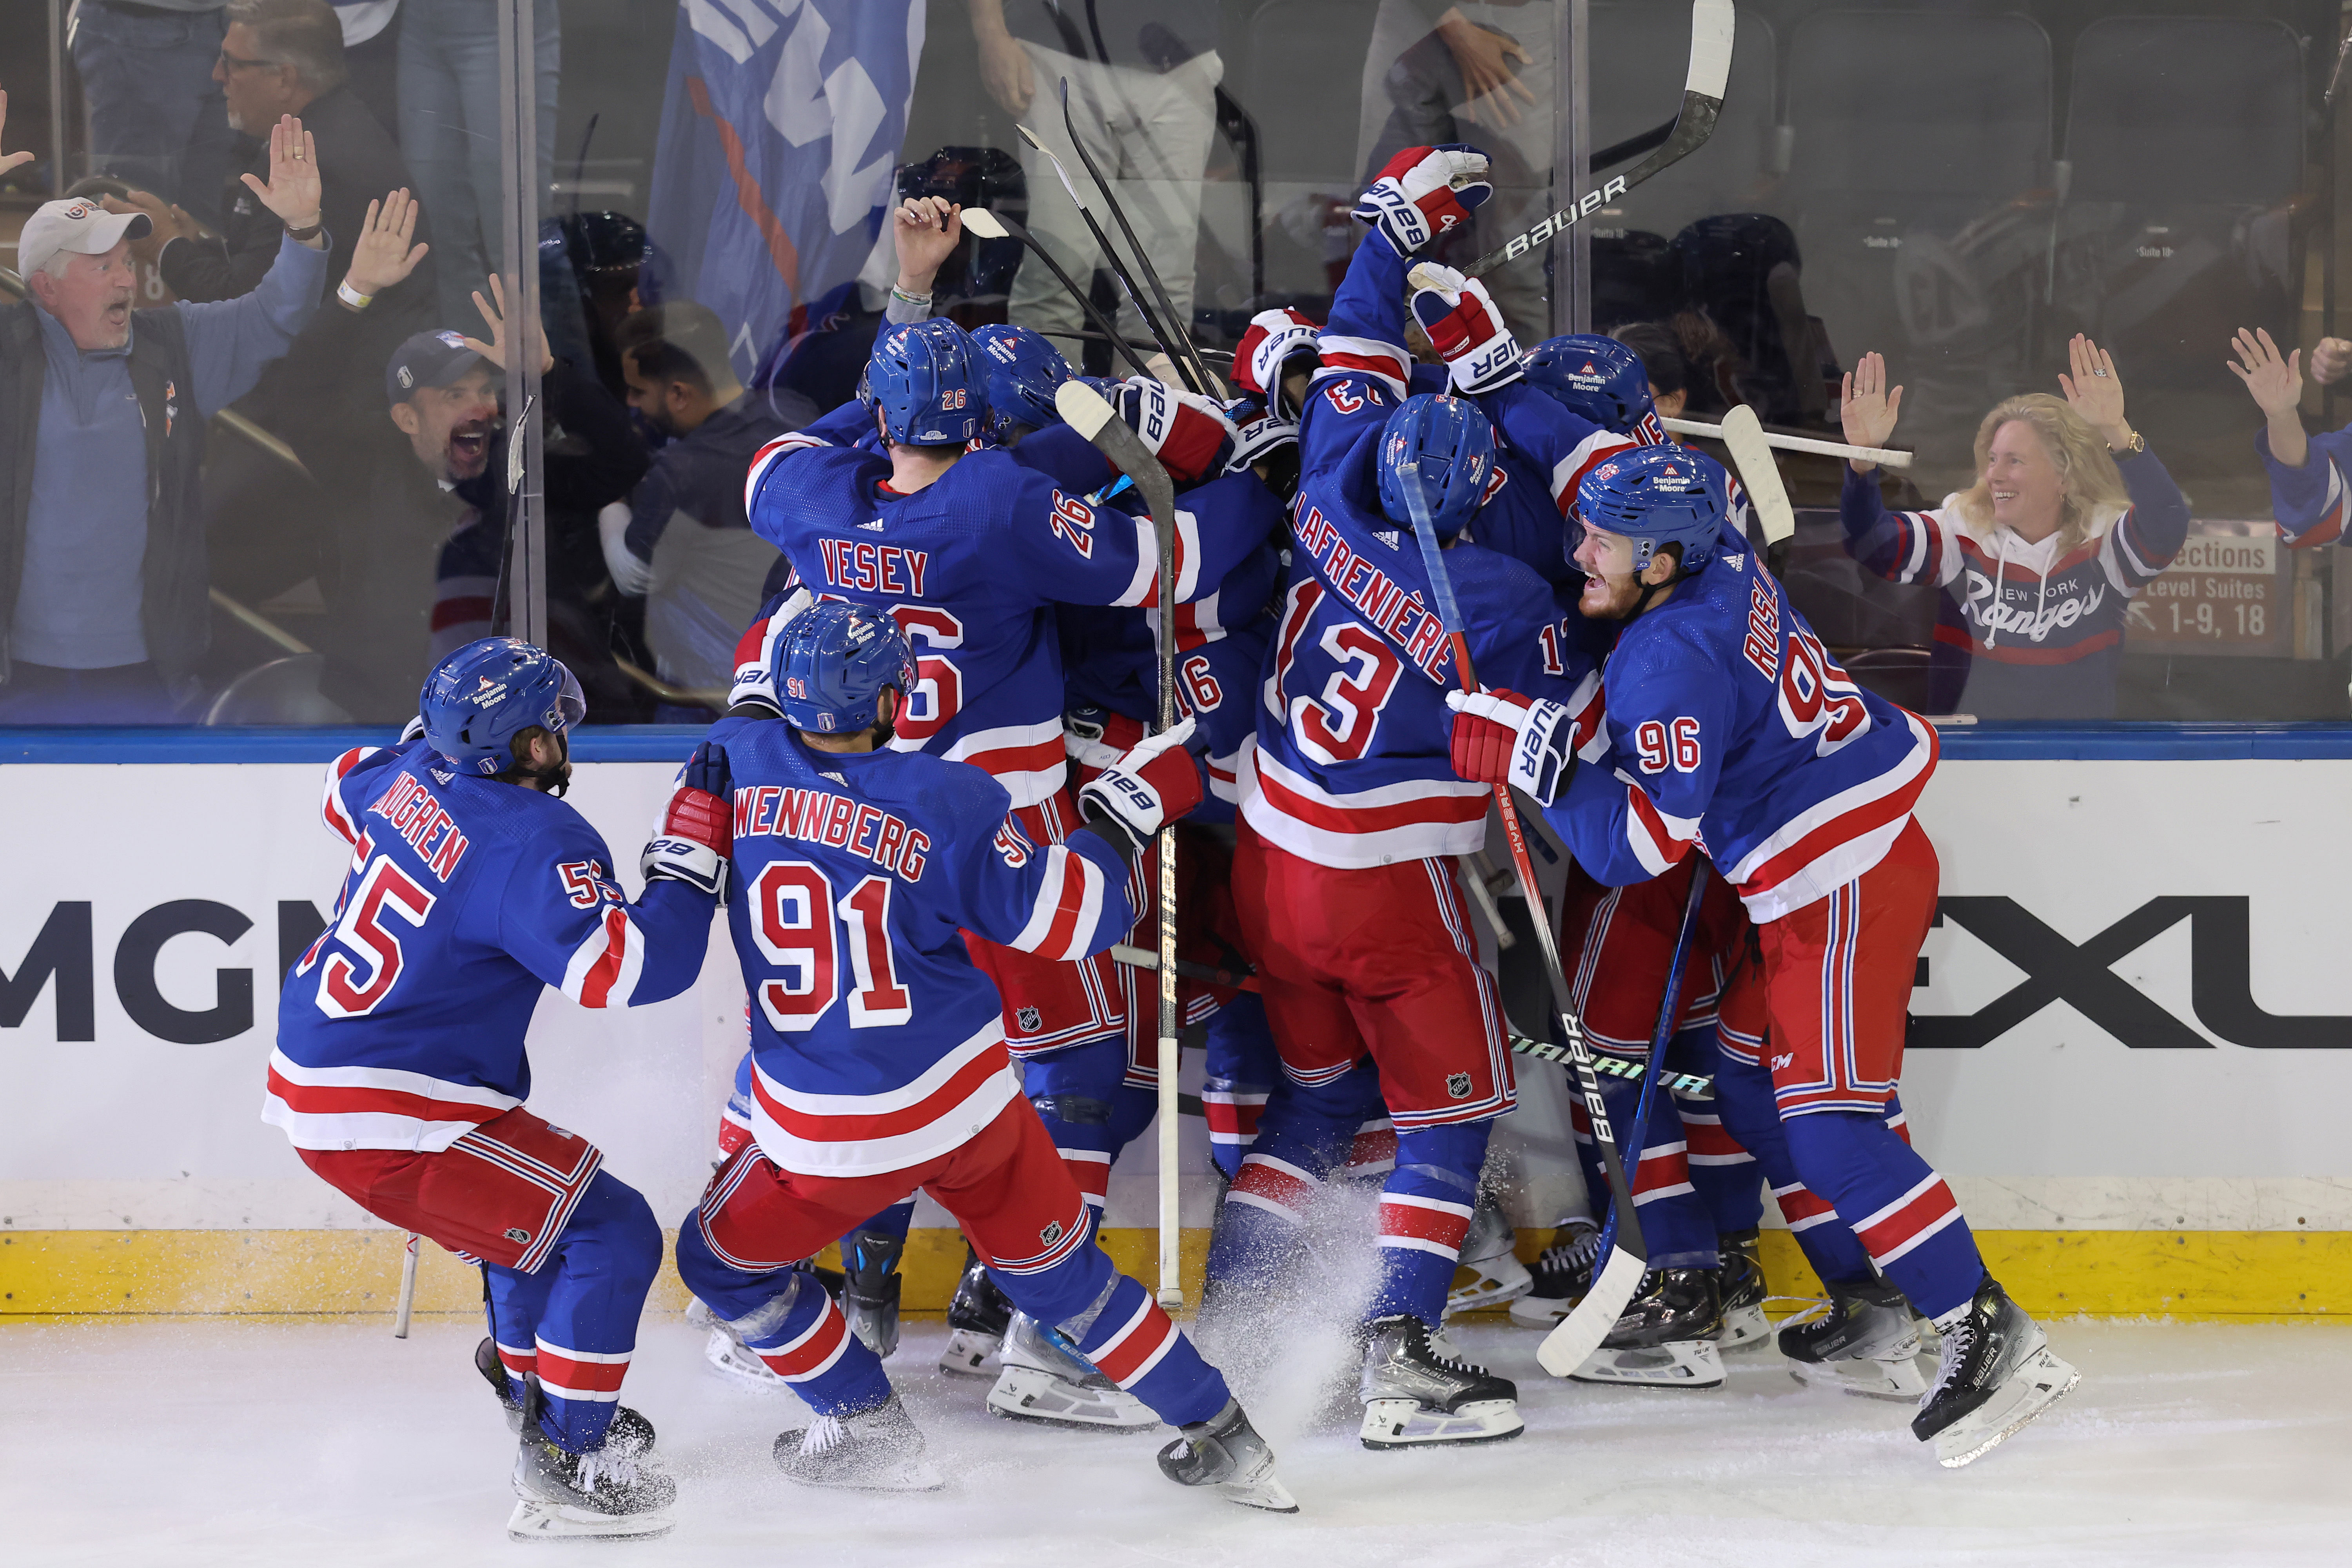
(2276, 384)
(2095, 391)
(1867, 407)
(383, 256)
(292, 192)
(494, 311)
(10, 160)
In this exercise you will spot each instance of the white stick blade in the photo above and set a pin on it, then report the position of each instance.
(1424, 276)
(1082, 408)
(985, 224)
(1579, 1333)
(1743, 434)
(1713, 23)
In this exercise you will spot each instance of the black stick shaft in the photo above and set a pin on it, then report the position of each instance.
(1205, 382)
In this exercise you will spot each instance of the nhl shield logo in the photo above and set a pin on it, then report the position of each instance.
(1028, 1018)
(1458, 1084)
(516, 1233)
(1051, 1234)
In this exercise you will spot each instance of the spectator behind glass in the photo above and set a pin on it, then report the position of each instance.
(372, 53)
(681, 541)
(2071, 516)
(1143, 78)
(156, 118)
(1662, 361)
(2306, 471)
(449, 130)
(103, 578)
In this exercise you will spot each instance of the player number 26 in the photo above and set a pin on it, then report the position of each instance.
(1660, 745)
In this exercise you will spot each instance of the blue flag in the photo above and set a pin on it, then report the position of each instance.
(780, 128)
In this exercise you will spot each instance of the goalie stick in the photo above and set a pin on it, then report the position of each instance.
(1207, 383)
(1085, 411)
(1580, 1332)
(1712, 22)
(995, 225)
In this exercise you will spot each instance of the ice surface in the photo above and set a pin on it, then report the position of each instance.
(334, 1445)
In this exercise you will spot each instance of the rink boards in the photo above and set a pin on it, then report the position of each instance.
(2132, 1038)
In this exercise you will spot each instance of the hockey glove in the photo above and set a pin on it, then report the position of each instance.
(1424, 193)
(1096, 737)
(696, 836)
(1259, 436)
(1152, 786)
(1464, 328)
(1189, 433)
(755, 680)
(1501, 737)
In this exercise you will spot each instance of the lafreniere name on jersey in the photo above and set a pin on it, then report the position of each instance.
(1387, 603)
(820, 816)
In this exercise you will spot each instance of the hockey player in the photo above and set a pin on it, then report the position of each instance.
(399, 1072)
(1351, 821)
(881, 1060)
(1727, 721)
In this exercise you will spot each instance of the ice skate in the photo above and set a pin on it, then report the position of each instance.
(1666, 1336)
(1488, 1273)
(1417, 1389)
(879, 1450)
(1864, 1345)
(1560, 1277)
(1996, 1373)
(1225, 1452)
(1741, 1283)
(869, 1290)
(612, 1492)
(977, 1319)
(1044, 1380)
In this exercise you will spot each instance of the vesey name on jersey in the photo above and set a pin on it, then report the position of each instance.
(874, 568)
(820, 816)
(416, 817)
(1381, 601)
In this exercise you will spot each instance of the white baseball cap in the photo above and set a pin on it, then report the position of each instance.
(76, 224)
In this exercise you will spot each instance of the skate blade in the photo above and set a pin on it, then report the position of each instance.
(1542, 1311)
(897, 1476)
(1405, 1424)
(1678, 1363)
(739, 1366)
(1493, 1287)
(1744, 1328)
(533, 1520)
(1262, 1491)
(971, 1353)
(699, 1314)
(1898, 1378)
(2038, 1384)
(1033, 1394)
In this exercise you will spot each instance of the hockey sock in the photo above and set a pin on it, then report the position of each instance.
(585, 1328)
(1674, 1220)
(1893, 1202)
(1425, 1208)
(1725, 1173)
(1372, 1151)
(735, 1119)
(1089, 1110)
(1129, 1340)
(1896, 1122)
(789, 1323)
(1306, 1132)
(1743, 1100)
(1242, 1069)
(514, 1302)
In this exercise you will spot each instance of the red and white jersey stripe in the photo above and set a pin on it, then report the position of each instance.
(374, 1108)
(1410, 820)
(887, 1128)
(1345, 356)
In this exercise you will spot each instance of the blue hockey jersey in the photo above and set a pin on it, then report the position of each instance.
(877, 1044)
(1349, 768)
(1728, 727)
(402, 1026)
(969, 567)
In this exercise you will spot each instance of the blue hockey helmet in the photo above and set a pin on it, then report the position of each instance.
(481, 697)
(1022, 370)
(1597, 378)
(1657, 496)
(832, 663)
(1443, 447)
(924, 378)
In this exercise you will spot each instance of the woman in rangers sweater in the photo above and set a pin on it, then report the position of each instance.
(2070, 517)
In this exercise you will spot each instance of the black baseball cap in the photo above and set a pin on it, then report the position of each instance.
(427, 359)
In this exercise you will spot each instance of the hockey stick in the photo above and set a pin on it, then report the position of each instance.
(994, 225)
(1580, 1332)
(407, 1287)
(1669, 1008)
(1084, 410)
(1712, 22)
(1118, 268)
(1884, 457)
(1759, 474)
(1696, 1086)
(1208, 385)
(1140, 958)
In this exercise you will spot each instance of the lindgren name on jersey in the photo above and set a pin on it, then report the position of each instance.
(820, 816)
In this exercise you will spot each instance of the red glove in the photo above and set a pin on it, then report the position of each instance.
(696, 837)
(1501, 737)
(1190, 435)
(1147, 789)
(1464, 328)
(1424, 193)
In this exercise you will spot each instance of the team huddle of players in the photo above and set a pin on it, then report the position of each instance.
(921, 899)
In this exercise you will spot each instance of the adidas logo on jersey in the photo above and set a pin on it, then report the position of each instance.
(836, 778)
(1736, 563)
(1388, 536)
(876, 526)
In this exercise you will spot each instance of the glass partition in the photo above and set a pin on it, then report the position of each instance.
(1960, 189)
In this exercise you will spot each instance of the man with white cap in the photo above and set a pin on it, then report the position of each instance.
(103, 602)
